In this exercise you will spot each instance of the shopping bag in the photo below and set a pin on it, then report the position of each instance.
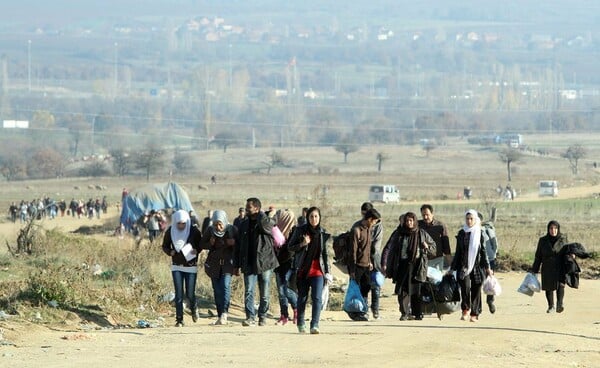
(354, 301)
(532, 282)
(325, 296)
(491, 286)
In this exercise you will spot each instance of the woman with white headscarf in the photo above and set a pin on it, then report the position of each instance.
(182, 243)
(220, 240)
(471, 265)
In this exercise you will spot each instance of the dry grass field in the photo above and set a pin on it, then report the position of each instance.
(311, 176)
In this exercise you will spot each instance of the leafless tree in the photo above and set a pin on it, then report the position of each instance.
(12, 166)
(346, 146)
(509, 156)
(381, 158)
(428, 147)
(574, 153)
(224, 139)
(121, 161)
(150, 160)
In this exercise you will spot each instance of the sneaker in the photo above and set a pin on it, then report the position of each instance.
(314, 331)
(282, 321)
(195, 316)
(262, 321)
(249, 323)
(224, 318)
(464, 316)
(492, 307)
(560, 309)
(550, 310)
(218, 322)
(376, 315)
(404, 317)
(179, 324)
(302, 328)
(473, 319)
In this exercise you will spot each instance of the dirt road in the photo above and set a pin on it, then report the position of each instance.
(519, 334)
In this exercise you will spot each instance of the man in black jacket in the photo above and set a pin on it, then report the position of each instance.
(256, 259)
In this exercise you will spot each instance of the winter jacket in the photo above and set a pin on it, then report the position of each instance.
(256, 255)
(460, 263)
(178, 259)
(220, 253)
(301, 261)
(390, 257)
(569, 269)
(546, 256)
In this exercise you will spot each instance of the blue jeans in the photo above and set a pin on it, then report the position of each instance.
(316, 293)
(222, 292)
(179, 280)
(286, 295)
(250, 281)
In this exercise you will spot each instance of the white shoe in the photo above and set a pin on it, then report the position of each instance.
(218, 322)
(224, 318)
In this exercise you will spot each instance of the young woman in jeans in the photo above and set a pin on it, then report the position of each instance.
(286, 222)
(219, 239)
(182, 243)
(309, 243)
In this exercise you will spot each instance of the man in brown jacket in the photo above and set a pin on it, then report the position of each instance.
(360, 263)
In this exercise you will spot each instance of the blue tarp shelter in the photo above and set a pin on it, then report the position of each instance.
(153, 197)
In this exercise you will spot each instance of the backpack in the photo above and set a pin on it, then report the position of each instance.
(489, 239)
(342, 244)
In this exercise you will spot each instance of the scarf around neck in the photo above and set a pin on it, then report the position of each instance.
(180, 237)
(474, 239)
(219, 216)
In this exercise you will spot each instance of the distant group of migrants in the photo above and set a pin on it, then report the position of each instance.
(260, 244)
(47, 207)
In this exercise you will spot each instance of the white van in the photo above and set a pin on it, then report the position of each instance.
(384, 193)
(548, 188)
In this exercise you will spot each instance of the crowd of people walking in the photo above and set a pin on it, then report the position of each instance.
(261, 245)
(41, 208)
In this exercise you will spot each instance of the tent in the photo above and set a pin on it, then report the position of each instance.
(153, 197)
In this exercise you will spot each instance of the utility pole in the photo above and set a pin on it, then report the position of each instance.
(93, 130)
(230, 69)
(29, 65)
(116, 71)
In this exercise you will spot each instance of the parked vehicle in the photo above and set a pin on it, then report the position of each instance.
(384, 193)
(548, 188)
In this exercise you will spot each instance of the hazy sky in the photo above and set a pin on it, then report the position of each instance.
(51, 11)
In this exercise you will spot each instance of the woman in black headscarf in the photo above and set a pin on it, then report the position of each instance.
(309, 242)
(404, 260)
(547, 257)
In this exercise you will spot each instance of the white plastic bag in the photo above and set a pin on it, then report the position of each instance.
(530, 285)
(532, 282)
(434, 275)
(491, 286)
(325, 296)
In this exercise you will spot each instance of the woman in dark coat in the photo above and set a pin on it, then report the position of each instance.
(220, 240)
(404, 260)
(309, 242)
(546, 256)
(471, 265)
